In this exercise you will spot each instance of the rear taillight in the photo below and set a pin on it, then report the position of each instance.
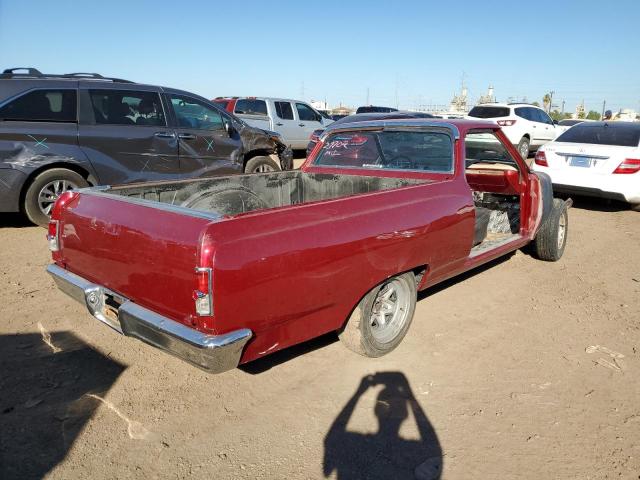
(506, 123)
(315, 136)
(203, 294)
(541, 159)
(53, 235)
(630, 165)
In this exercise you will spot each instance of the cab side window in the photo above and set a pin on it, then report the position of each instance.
(42, 106)
(484, 147)
(192, 113)
(284, 110)
(126, 107)
(306, 113)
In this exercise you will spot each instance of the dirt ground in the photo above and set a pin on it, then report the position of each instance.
(522, 369)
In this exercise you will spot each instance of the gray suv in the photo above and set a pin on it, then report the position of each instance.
(59, 132)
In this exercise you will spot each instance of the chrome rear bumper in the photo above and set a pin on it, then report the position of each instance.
(213, 353)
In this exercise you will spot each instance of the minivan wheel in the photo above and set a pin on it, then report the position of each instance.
(45, 190)
(261, 165)
(382, 318)
(523, 147)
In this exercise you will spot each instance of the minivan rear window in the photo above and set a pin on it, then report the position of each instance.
(624, 135)
(489, 112)
(42, 106)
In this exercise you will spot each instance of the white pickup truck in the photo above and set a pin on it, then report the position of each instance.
(293, 119)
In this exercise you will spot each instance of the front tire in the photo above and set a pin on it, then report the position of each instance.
(382, 318)
(523, 147)
(551, 239)
(261, 165)
(45, 189)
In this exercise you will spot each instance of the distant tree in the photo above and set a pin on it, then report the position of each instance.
(593, 115)
(557, 116)
(536, 104)
(581, 114)
(546, 101)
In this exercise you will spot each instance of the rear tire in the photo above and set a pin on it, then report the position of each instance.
(261, 165)
(523, 147)
(636, 207)
(551, 239)
(45, 189)
(382, 318)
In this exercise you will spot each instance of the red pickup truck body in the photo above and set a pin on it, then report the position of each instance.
(293, 261)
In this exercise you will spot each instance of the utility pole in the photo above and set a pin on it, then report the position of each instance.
(367, 102)
(550, 100)
(562, 108)
(396, 90)
(604, 104)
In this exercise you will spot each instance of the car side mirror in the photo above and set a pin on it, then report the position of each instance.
(229, 128)
(555, 122)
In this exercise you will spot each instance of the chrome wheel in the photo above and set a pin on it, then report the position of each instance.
(50, 193)
(264, 168)
(562, 229)
(390, 310)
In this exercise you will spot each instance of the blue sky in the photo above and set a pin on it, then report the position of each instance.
(336, 50)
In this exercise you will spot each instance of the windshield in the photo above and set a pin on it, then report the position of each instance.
(429, 151)
(489, 112)
(620, 134)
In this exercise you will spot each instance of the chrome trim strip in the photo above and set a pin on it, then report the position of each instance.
(586, 155)
(212, 353)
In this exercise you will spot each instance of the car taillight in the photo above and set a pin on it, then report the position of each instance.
(203, 295)
(315, 136)
(541, 159)
(506, 123)
(630, 165)
(53, 235)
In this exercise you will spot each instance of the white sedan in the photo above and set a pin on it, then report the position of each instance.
(600, 159)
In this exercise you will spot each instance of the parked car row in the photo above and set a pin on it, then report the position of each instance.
(60, 132)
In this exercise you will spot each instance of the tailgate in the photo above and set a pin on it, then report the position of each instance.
(141, 252)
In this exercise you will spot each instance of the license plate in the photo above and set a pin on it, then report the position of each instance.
(584, 162)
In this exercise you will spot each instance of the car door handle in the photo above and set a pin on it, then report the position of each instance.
(301, 124)
(279, 124)
(164, 135)
(186, 136)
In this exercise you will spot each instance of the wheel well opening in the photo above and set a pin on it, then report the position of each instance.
(68, 166)
(255, 153)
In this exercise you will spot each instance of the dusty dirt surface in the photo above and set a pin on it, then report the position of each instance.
(522, 369)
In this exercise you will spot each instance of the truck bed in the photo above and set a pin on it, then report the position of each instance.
(229, 196)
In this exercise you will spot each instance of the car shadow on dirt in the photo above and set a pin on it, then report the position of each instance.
(466, 275)
(14, 220)
(45, 398)
(597, 204)
(266, 363)
(385, 453)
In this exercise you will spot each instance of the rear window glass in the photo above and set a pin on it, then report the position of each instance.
(372, 109)
(284, 110)
(603, 134)
(251, 107)
(489, 112)
(42, 106)
(389, 150)
(223, 104)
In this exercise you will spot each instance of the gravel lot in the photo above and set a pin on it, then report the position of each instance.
(522, 369)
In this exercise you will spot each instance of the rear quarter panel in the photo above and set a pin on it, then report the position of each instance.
(294, 273)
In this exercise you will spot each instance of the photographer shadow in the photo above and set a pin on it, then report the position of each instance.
(384, 454)
(49, 390)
